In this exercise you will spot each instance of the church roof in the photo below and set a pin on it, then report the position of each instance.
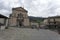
(19, 9)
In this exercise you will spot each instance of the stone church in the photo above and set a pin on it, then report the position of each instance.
(19, 17)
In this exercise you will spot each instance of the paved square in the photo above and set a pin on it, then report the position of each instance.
(27, 34)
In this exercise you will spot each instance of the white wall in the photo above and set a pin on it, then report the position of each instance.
(2, 20)
(34, 23)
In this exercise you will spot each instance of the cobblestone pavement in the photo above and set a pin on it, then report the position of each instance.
(28, 34)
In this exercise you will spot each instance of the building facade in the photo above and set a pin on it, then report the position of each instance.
(52, 22)
(19, 17)
(3, 21)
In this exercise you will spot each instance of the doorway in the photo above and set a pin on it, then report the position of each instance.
(20, 23)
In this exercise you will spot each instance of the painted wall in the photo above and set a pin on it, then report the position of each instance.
(2, 20)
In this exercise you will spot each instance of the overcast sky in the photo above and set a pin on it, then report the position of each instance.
(40, 8)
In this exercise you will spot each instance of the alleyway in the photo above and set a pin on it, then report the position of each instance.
(28, 34)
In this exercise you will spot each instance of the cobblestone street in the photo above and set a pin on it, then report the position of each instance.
(28, 34)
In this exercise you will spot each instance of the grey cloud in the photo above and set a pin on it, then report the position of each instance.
(34, 7)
